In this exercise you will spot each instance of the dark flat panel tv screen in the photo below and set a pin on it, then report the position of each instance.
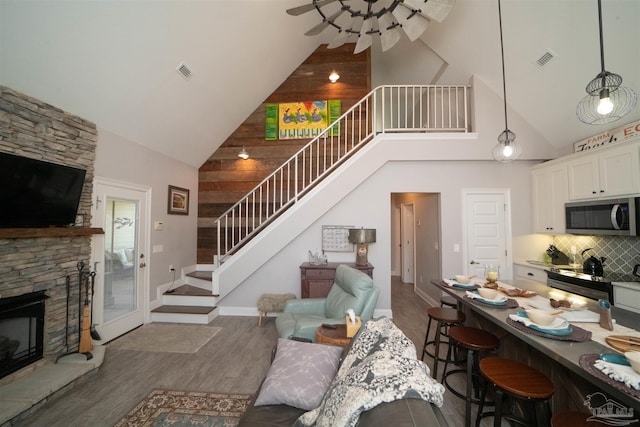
(35, 193)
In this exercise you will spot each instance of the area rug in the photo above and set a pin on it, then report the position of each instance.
(163, 408)
(164, 337)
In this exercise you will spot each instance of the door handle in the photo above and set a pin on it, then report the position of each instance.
(474, 262)
(142, 265)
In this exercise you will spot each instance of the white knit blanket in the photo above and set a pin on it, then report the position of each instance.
(381, 366)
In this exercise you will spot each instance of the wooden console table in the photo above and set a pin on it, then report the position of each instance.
(316, 280)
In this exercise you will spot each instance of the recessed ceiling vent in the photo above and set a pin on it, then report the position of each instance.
(545, 58)
(184, 71)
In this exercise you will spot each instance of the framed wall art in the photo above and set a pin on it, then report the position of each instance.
(178, 201)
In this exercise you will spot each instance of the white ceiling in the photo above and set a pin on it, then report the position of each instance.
(113, 62)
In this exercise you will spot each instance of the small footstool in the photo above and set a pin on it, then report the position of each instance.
(271, 303)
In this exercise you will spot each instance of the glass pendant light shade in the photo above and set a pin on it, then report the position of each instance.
(507, 149)
(607, 100)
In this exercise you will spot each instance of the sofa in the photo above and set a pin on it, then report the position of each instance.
(376, 381)
(352, 289)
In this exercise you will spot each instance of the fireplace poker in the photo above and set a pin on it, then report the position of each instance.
(94, 333)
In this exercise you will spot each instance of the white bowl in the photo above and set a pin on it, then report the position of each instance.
(487, 293)
(462, 279)
(634, 358)
(540, 317)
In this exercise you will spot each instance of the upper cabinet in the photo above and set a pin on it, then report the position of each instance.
(549, 196)
(607, 173)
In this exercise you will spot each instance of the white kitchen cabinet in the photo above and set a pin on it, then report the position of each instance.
(530, 273)
(607, 173)
(550, 192)
(627, 297)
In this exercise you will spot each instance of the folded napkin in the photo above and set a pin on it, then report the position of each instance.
(497, 300)
(557, 323)
(622, 373)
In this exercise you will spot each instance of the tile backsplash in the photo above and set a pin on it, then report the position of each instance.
(621, 252)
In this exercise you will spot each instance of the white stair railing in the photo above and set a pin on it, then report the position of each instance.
(386, 109)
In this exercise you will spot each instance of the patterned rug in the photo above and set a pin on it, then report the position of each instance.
(163, 408)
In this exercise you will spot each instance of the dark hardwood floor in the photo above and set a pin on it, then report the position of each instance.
(234, 361)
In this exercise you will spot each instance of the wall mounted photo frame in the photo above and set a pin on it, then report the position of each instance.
(335, 238)
(178, 201)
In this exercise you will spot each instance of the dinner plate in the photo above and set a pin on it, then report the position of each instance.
(618, 359)
(558, 330)
(498, 300)
(461, 286)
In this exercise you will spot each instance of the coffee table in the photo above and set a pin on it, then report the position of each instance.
(337, 336)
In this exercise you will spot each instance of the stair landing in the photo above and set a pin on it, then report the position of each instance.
(186, 304)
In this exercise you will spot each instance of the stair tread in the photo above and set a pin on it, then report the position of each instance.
(202, 275)
(183, 309)
(192, 291)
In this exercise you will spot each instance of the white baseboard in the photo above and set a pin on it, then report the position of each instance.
(252, 311)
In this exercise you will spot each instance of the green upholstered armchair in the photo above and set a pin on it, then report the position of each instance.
(351, 289)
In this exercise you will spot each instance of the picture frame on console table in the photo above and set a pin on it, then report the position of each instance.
(178, 201)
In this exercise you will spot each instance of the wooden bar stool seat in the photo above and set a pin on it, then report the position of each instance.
(444, 316)
(474, 341)
(573, 419)
(519, 382)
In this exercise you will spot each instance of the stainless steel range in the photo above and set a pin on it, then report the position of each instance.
(593, 287)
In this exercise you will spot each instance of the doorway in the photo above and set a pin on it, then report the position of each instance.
(487, 231)
(121, 289)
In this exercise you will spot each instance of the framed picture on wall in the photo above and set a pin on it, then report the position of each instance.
(178, 201)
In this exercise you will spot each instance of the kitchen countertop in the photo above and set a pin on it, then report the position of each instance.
(565, 353)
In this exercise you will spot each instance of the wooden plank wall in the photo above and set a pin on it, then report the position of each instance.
(225, 178)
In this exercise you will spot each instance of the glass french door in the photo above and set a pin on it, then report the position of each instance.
(119, 258)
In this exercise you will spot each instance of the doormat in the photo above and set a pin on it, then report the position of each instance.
(164, 408)
(166, 337)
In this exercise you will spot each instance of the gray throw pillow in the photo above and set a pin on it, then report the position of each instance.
(299, 375)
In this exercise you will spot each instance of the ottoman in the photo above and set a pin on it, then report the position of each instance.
(271, 303)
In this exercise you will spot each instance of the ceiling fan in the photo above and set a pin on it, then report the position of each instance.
(362, 19)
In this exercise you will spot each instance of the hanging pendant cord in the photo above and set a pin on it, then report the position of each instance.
(601, 44)
(504, 85)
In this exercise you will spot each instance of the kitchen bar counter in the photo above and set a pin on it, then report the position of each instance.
(565, 353)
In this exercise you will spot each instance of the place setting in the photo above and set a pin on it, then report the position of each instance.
(621, 371)
(464, 282)
(547, 324)
(490, 297)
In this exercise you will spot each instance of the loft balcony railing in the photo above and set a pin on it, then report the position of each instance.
(386, 109)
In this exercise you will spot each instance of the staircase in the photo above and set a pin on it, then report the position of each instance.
(195, 301)
(386, 109)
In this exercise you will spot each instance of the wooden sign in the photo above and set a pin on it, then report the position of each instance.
(621, 134)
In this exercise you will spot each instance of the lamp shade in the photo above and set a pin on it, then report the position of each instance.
(362, 235)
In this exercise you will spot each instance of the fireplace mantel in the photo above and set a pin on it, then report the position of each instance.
(27, 233)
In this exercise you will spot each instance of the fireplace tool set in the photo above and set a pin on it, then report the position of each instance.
(86, 330)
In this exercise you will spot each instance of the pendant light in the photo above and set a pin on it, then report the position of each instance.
(607, 101)
(506, 149)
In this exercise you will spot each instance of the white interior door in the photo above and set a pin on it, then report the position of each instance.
(487, 232)
(408, 243)
(120, 257)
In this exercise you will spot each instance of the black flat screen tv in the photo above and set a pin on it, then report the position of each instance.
(37, 194)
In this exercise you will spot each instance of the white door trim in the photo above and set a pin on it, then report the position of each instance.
(507, 274)
(145, 243)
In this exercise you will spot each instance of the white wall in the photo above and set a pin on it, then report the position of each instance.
(124, 160)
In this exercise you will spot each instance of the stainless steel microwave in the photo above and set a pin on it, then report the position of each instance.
(614, 217)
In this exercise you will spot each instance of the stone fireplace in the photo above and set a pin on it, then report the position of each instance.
(38, 262)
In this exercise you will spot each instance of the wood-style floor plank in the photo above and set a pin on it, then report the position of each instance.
(234, 361)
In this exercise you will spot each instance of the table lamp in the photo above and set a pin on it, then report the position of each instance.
(362, 237)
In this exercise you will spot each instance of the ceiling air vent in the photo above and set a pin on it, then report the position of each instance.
(545, 58)
(184, 71)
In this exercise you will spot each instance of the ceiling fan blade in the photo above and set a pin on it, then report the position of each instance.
(364, 40)
(389, 36)
(435, 10)
(340, 39)
(324, 24)
(296, 11)
(413, 25)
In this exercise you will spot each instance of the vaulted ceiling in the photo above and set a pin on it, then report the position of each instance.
(114, 62)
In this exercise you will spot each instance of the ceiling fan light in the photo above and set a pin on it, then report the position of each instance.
(412, 23)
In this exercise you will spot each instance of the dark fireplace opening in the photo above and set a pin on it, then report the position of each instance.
(21, 331)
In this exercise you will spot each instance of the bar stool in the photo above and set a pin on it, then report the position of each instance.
(518, 381)
(573, 419)
(473, 340)
(444, 316)
(449, 301)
